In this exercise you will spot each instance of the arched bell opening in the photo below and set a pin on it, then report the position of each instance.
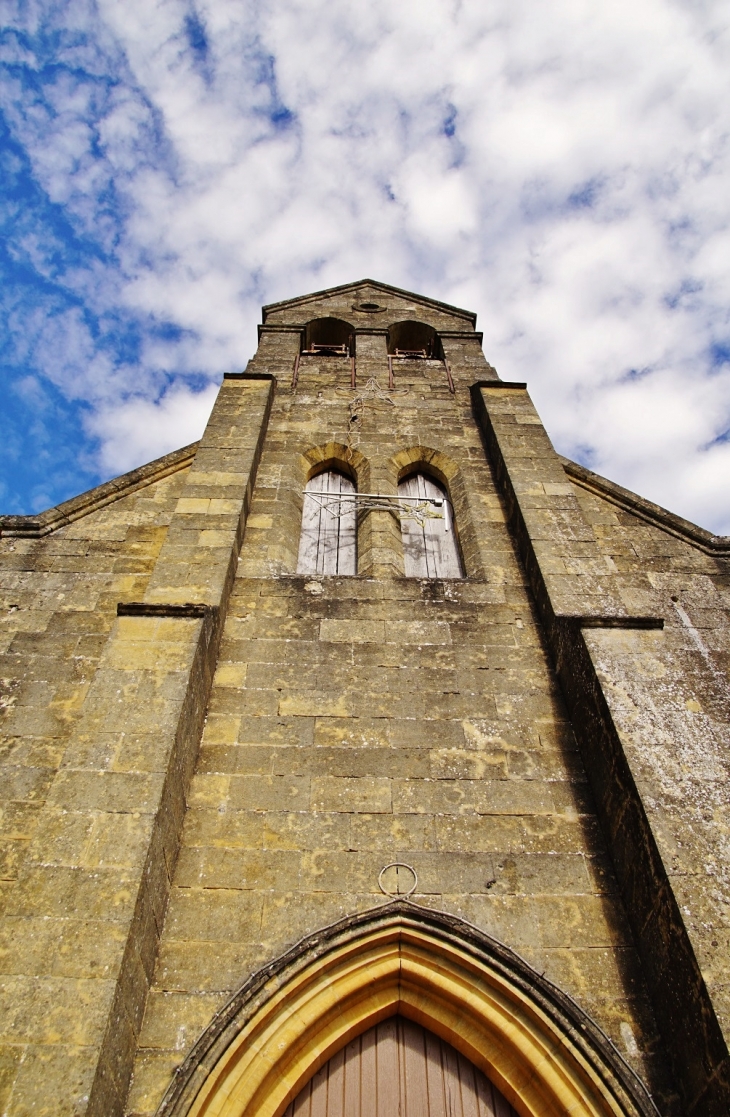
(415, 340)
(545, 1057)
(329, 337)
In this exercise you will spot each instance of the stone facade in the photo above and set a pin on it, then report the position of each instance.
(208, 757)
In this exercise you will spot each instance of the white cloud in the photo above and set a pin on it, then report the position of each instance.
(561, 169)
(139, 430)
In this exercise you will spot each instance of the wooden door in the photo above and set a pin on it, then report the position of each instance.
(430, 549)
(329, 526)
(398, 1069)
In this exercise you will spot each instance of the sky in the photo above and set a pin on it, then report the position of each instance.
(562, 169)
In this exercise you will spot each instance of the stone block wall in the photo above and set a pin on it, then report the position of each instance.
(184, 715)
(58, 946)
(358, 721)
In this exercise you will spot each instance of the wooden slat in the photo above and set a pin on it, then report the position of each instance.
(413, 1045)
(452, 1082)
(336, 1086)
(388, 1064)
(353, 1071)
(399, 1069)
(487, 1097)
(327, 544)
(347, 537)
(469, 1094)
(435, 1077)
(369, 1074)
(431, 550)
(319, 1092)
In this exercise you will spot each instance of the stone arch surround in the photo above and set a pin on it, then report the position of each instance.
(544, 1053)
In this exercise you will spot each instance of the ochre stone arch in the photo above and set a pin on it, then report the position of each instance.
(335, 455)
(432, 461)
(543, 1053)
(425, 459)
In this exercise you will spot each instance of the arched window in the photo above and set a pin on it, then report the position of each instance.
(328, 544)
(431, 549)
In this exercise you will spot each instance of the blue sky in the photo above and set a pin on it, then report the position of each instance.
(563, 170)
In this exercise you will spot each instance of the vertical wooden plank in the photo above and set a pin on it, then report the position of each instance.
(431, 532)
(318, 1092)
(387, 1064)
(452, 1085)
(347, 551)
(369, 1074)
(414, 546)
(336, 1086)
(413, 1045)
(402, 1093)
(452, 564)
(302, 1104)
(329, 526)
(352, 1069)
(502, 1107)
(467, 1079)
(309, 537)
(485, 1095)
(435, 1076)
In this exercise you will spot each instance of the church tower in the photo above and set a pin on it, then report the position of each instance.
(365, 758)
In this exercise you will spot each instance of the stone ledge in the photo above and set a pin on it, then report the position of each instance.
(154, 609)
(522, 385)
(613, 621)
(248, 376)
(462, 335)
(274, 328)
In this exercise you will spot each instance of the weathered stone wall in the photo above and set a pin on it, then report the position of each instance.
(123, 776)
(632, 688)
(59, 602)
(669, 698)
(555, 779)
(355, 721)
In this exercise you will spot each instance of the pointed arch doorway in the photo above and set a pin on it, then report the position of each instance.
(399, 1069)
(402, 961)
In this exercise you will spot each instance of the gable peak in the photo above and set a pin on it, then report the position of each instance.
(368, 295)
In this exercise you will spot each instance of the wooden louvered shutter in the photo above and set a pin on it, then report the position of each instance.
(328, 540)
(430, 550)
(398, 1069)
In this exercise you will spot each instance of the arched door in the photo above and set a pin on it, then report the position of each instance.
(398, 1069)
